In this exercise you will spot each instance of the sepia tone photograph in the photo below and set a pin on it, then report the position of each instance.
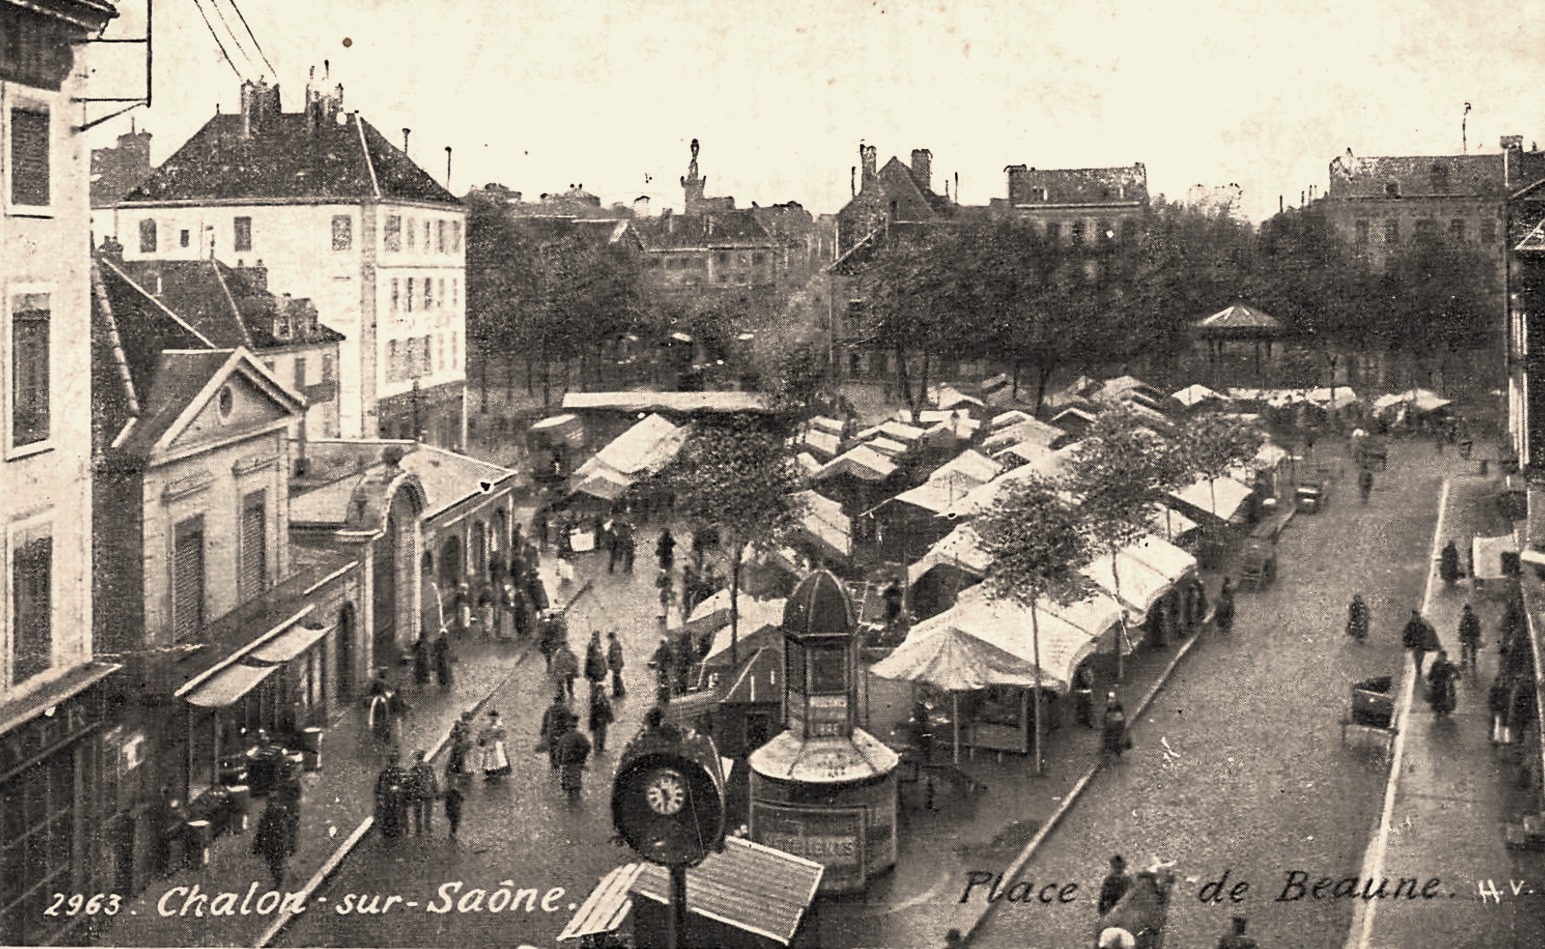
(917, 475)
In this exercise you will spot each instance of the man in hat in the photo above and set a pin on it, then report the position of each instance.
(1418, 636)
(1116, 884)
(423, 791)
(556, 721)
(1237, 939)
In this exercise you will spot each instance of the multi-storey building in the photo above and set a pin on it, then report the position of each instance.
(1080, 207)
(339, 215)
(59, 760)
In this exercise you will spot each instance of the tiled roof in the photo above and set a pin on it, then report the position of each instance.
(720, 228)
(335, 469)
(179, 377)
(1124, 185)
(1417, 176)
(218, 302)
(1239, 317)
(289, 156)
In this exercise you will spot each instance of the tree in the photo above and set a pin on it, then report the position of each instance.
(1439, 293)
(501, 285)
(1038, 546)
(1213, 445)
(1119, 470)
(735, 474)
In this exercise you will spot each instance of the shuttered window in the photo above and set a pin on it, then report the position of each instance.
(254, 544)
(30, 409)
(188, 579)
(32, 574)
(29, 157)
(242, 233)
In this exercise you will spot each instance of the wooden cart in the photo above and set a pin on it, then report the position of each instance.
(1371, 714)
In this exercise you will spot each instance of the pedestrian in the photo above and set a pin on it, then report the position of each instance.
(614, 663)
(495, 763)
(539, 527)
(421, 658)
(555, 721)
(1113, 731)
(608, 537)
(595, 662)
(1237, 938)
(1499, 700)
(1469, 637)
(1357, 618)
(520, 607)
(667, 590)
(1441, 693)
(1448, 564)
(573, 752)
(458, 763)
(453, 802)
(601, 716)
(565, 669)
(629, 548)
(892, 596)
(565, 537)
(1415, 638)
(423, 791)
(274, 840)
(463, 604)
(661, 662)
(1116, 884)
(552, 637)
(953, 939)
(665, 550)
(392, 798)
(1223, 612)
(443, 659)
(1365, 484)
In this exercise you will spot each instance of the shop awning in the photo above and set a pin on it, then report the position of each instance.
(825, 523)
(229, 685)
(288, 645)
(1228, 494)
(961, 549)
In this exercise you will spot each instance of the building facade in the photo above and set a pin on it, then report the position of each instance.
(337, 214)
(57, 771)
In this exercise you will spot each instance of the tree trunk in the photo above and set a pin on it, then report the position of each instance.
(1043, 376)
(547, 382)
(530, 373)
(483, 382)
(922, 390)
(735, 563)
(1017, 366)
(903, 382)
(1035, 640)
(1121, 616)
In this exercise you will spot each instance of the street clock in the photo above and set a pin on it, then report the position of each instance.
(668, 796)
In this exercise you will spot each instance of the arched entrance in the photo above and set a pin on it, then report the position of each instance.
(396, 563)
(451, 573)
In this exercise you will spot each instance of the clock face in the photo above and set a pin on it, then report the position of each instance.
(666, 792)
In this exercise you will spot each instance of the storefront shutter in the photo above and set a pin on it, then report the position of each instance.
(254, 544)
(188, 579)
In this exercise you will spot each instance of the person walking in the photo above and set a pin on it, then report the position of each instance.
(453, 803)
(1469, 637)
(1236, 939)
(662, 662)
(614, 663)
(458, 764)
(1223, 613)
(443, 660)
(556, 720)
(274, 840)
(1115, 885)
(629, 548)
(422, 664)
(565, 669)
(573, 752)
(1448, 564)
(495, 763)
(1418, 636)
(392, 798)
(601, 717)
(423, 791)
(1113, 732)
(595, 663)
(1357, 618)
(613, 545)
(665, 550)
(1499, 700)
(1441, 694)
(1365, 484)
(667, 588)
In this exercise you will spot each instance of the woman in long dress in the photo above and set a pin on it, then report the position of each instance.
(495, 763)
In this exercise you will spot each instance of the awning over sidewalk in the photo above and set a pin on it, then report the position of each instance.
(227, 686)
(288, 645)
(637, 453)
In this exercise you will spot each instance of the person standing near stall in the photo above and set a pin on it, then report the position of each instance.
(273, 841)
(1114, 729)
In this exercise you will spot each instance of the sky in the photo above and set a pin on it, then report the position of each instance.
(542, 94)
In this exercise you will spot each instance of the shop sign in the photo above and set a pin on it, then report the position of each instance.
(833, 837)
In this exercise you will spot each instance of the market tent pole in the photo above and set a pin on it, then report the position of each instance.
(955, 720)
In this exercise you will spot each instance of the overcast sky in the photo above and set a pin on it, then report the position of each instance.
(541, 94)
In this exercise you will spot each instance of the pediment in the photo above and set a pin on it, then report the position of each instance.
(238, 400)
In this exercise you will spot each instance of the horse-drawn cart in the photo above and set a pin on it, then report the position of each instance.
(1138, 920)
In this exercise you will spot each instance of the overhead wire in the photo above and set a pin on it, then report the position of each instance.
(259, 46)
(211, 27)
(235, 39)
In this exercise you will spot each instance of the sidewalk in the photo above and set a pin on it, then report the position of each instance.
(1451, 792)
(335, 802)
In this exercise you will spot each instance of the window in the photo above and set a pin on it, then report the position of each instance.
(410, 357)
(722, 257)
(329, 369)
(1488, 230)
(32, 560)
(455, 237)
(455, 293)
(1426, 228)
(300, 373)
(396, 295)
(1456, 230)
(30, 408)
(441, 293)
(427, 355)
(428, 233)
(393, 233)
(1362, 233)
(1106, 233)
(759, 259)
(429, 294)
(147, 236)
(343, 232)
(410, 291)
(183, 238)
(454, 342)
(1392, 189)
(30, 172)
(241, 229)
(440, 350)
(1391, 230)
(188, 578)
(254, 544)
(393, 370)
(1128, 231)
(1078, 233)
(412, 232)
(441, 232)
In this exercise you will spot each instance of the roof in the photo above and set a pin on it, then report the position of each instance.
(1354, 177)
(824, 761)
(681, 402)
(819, 604)
(637, 453)
(289, 156)
(1028, 429)
(824, 521)
(738, 228)
(749, 886)
(1238, 317)
(862, 462)
(1201, 494)
(1196, 393)
(338, 469)
(961, 548)
(224, 305)
(1123, 185)
(88, 15)
(897, 431)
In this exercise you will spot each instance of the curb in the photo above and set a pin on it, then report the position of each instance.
(1018, 866)
(332, 863)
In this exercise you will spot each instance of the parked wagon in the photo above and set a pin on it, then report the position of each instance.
(1371, 714)
(1310, 496)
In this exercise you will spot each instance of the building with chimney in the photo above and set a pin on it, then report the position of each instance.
(117, 170)
(63, 763)
(892, 194)
(339, 215)
(1080, 207)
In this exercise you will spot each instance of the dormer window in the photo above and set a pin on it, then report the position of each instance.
(1392, 189)
(1042, 194)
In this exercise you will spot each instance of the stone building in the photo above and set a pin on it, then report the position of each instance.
(60, 760)
(1080, 207)
(339, 215)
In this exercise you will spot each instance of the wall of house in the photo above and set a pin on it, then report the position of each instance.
(312, 371)
(45, 488)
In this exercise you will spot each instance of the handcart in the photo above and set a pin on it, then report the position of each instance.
(1138, 920)
(1371, 715)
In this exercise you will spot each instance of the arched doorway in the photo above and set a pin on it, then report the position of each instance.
(344, 653)
(396, 563)
(451, 573)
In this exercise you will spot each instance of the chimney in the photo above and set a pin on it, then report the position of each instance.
(447, 167)
(247, 100)
(405, 133)
(922, 167)
(853, 180)
(867, 157)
